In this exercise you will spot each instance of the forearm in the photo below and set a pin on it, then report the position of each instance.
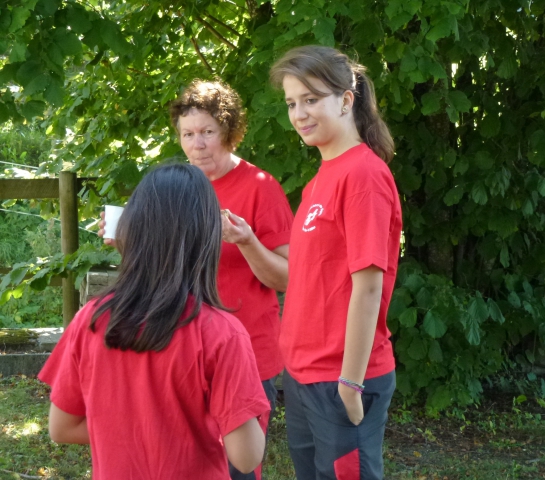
(270, 267)
(363, 311)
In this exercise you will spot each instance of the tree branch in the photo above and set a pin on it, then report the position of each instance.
(201, 56)
(232, 30)
(22, 475)
(214, 32)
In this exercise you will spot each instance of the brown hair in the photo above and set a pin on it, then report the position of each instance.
(339, 74)
(218, 100)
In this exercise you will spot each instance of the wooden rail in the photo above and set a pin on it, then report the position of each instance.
(65, 188)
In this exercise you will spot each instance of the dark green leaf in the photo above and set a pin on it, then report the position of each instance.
(19, 16)
(54, 93)
(33, 109)
(408, 317)
(78, 19)
(37, 84)
(114, 38)
(478, 194)
(440, 30)
(417, 349)
(490, 126)
(483, 160)
(431, 103)
(454, 195)
(433, 325)
(459, 101)
(508, 67)
(495, 311)
(435, 353)
(477, 309)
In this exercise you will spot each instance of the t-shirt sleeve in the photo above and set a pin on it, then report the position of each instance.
(273, 218)
(61, 373)
(237, 394)
(366, 221)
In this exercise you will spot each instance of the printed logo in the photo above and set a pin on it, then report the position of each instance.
(314, 211)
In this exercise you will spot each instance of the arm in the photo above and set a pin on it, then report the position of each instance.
(245, 446)
(361, 323)
(270, 267)
(67, 428)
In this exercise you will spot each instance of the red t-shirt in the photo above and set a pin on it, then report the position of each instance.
(348, 220)
(256, 196)
(158, 415)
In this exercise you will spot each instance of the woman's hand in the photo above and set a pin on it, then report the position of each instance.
(353, 403)
(101, 224)
(235, 229)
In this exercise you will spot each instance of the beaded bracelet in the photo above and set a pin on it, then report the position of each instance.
(353, 385)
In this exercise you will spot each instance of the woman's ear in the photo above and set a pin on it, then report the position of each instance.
(347, 101)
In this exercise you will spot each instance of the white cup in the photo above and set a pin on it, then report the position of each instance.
(111, 217)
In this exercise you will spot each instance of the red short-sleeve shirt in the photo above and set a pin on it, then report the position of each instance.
(158, 415)
(256, 196)
(348, 220)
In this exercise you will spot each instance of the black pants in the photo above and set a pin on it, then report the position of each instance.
(324, 444)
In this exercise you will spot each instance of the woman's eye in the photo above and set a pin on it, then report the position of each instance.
(311, 100)
(187, 135)
(290, 105)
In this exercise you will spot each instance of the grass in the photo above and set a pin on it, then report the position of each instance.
(502, 439)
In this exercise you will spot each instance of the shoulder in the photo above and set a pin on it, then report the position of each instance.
(257, 177)
(220, 324)
(368, 172)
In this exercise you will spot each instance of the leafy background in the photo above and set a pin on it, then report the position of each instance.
(460, 83)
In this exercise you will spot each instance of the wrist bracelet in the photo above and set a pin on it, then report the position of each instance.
(353, 385)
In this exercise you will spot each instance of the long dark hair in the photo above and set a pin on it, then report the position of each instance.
(339, 74)
(169, 237)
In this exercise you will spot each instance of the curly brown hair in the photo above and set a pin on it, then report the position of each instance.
(217, 99)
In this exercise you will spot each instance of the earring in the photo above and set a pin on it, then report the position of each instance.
(345, 109)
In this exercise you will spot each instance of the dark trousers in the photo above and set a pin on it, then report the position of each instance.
(324, 444)
(270, 391)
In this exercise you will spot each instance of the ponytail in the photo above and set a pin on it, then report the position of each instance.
(372, 129)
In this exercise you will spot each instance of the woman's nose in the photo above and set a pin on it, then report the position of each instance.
(299, 112)
(199, 141)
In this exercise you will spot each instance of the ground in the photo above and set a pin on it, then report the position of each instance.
(503, 438)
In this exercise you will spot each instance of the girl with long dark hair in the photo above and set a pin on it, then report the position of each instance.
(344, 250)
(154, 374)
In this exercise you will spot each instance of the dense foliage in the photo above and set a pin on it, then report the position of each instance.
(460, 83)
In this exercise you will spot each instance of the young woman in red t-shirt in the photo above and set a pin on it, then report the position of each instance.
(344, 250)
(154, 374)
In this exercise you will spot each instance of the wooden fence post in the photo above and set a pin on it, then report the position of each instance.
(68, 197)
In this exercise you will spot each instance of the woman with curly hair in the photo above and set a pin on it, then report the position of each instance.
(256, 222)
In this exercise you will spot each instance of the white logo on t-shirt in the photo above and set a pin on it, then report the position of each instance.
(314, 211)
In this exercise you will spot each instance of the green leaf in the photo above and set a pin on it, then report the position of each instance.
(473, 331)
(490, 126)
(19, 16)
(514, 300)
(424, 298)
(28, 71)
(414, 283)
(454, 195)
(54, 93)
(33, 109)
(495, 311)
(323, 31)
(504, 256)
(440, 30)
(408, 62)
(114, 38)
(459, 101)
(417, 350)
(434, 326)
(431, 103)
(441, 398)
(78, 19)
(508, 67)
(48, 7)
(483, 160)
(478, 194)
(435, 353)
(18, 52)
(477, 309)
(37, 84)
(4, 113)
(408, 317)
(69, 43)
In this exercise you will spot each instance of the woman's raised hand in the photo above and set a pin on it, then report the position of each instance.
(101, 224)
(235, 229)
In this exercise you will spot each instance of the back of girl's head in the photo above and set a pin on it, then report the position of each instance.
(169, 237)
(217, 99)
(339, 74)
